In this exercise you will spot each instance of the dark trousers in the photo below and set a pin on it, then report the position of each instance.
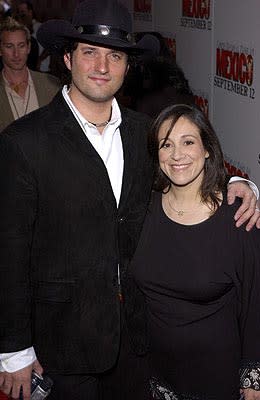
(127, 380)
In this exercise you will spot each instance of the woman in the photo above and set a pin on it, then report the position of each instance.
(199, 273)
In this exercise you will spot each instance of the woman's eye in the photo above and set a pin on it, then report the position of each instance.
(166, 145)
(188, 142)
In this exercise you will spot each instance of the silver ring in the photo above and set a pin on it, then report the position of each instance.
(257, 209)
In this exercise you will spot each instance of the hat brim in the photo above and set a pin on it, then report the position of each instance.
(54, 34)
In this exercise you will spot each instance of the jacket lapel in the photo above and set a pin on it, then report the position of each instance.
(74, 135)
(43, 95)
(6, 112)
(129, 157)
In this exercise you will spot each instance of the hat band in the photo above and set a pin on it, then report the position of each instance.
(105, 31)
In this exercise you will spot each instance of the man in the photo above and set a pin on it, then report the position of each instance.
(21, 90)
(27, 15)
(75, 184)
(25, 8)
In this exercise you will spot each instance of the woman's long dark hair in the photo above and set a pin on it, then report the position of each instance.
(214, 180)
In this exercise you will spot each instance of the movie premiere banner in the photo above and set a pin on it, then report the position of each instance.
(236, 84)
(187, 26)
(194, 43)
(165, 22)
(142, 15)
(217, 45)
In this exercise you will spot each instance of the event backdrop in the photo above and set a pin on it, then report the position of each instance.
(217, 45)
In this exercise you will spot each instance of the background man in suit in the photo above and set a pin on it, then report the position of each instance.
(21, 90)
(75, 181)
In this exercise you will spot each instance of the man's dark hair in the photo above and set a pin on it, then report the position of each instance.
(28, 4)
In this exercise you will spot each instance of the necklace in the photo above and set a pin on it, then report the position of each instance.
(27, 103)
(180, 213)
(99, 124)
(15, 86)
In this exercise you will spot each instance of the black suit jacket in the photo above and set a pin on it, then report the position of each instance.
(62, 238)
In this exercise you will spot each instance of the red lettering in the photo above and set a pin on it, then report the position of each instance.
(142, 5)
(250, 70)
(223, 63)
(235, 72)
(234, 66)
(171, 43)
(196, 8)
(207, 8)
(186, 8)
(242, 68)
(232, 170)
(203, 104)
(226, 63)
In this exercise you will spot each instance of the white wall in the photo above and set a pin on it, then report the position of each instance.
(201, 28)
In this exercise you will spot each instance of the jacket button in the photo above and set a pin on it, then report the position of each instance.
(121, 220)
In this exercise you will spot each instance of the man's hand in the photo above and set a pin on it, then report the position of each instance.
(248, 211)
(12, 382)
(251, 394)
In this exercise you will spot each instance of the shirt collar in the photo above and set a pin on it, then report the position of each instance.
(115, 115)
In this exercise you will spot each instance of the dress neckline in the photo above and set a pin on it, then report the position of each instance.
(191, 226)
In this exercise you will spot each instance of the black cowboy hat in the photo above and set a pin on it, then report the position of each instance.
(102, 22)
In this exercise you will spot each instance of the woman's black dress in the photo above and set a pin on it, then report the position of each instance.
(202, 288)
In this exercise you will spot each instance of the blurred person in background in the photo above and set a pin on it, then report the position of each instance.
(27, 16)
(21, 90)
(155, 80)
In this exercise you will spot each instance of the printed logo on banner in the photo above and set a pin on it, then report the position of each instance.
(143, 10)
(201, 100)
(196, 14)
(239, 170)
(171, 44)
(235, 69)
